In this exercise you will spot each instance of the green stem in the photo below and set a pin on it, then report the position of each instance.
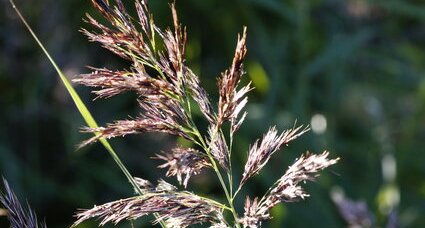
(236, 192)
(230, 174)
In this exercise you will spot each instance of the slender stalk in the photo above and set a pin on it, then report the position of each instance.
(236, 192)
(230, 174)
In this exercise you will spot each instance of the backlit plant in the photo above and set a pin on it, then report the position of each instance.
(168, 91)
(166, 96)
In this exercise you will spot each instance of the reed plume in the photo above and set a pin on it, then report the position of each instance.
(167, 89)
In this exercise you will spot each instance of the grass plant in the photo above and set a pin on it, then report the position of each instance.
(168, 92)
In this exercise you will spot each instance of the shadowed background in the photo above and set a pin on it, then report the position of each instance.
(353, 70)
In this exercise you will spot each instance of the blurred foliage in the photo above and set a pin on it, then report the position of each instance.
(359, 63)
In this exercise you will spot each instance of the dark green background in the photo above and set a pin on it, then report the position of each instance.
(359, 63)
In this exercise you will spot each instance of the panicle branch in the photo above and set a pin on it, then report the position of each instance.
(305, 168)
(162, 95)
(287, 188)
(117, 82)
(176, 209)
(261, 151)
(231, 100)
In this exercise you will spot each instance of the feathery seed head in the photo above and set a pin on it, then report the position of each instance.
(261, 151)
(177, 209)
(165, 98)
(305, 168)
(231, 100)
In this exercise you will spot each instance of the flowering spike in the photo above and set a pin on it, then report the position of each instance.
(151, 122)
(287, 188)
(176, 209)
(116, 82)
(261, 151)
(231, 100)
(305, 168)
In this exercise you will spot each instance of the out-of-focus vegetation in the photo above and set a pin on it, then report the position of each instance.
(356, 66)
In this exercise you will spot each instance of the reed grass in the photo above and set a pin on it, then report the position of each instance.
(167, 90)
